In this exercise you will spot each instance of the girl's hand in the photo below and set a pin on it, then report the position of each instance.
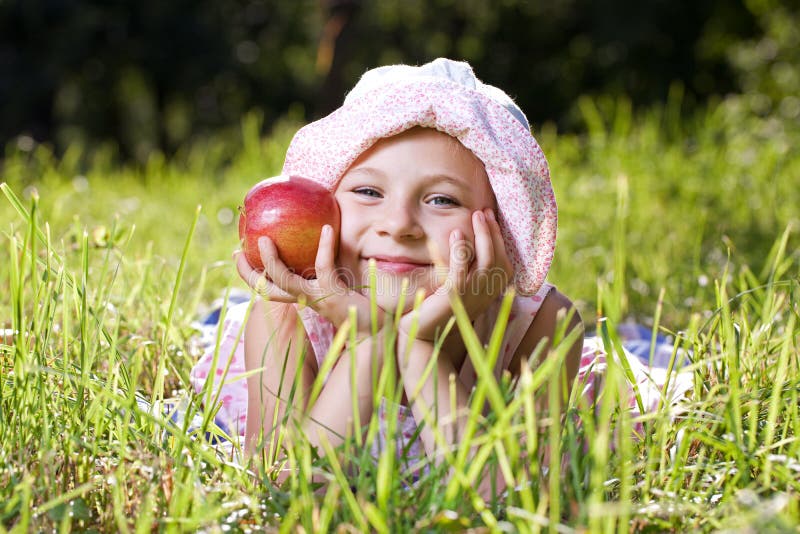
(478, 273)
(327, 294)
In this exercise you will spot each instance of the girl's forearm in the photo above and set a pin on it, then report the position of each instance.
(440, 399)
(332, 415)
(346, 399)
(442, 402)
(269, 406)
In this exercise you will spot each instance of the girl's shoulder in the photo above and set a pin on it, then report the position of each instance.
(553, 308)
(553, 303)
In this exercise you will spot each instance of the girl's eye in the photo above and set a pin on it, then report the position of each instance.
(367, 191)
(440, 200)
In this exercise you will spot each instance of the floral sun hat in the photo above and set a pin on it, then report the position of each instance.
(445, 95)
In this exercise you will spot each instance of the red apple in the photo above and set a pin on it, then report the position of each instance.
(291, 211)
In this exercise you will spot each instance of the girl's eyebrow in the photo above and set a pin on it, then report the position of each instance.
(369, 171)
(431, 179)
(362, 173)
(446, 178)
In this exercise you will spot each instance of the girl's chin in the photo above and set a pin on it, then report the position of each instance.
(388, 301)
(390, 288)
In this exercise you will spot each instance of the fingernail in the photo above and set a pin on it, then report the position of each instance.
(491, 215)
(261, 284)
(326, 230)
(481, 217)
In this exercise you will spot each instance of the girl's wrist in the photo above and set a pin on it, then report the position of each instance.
(412, 352)
(365, 341)
(409, 329)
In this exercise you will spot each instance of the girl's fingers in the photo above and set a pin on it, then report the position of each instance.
(461, 255)
(492, 271)
(259, 283)
(242, 267)
(501, 259)
(484, 246)
(324, 265)
(276, 270)
(267, 289)
(246, 271)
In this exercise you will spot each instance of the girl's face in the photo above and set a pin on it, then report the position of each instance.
(400, 201)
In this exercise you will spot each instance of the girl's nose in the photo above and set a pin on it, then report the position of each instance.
(400, 222)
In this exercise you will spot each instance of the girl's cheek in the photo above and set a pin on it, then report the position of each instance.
(345, 231)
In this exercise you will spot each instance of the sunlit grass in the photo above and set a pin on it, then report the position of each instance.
(687, 227)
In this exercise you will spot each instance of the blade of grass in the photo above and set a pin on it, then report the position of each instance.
(158, 387)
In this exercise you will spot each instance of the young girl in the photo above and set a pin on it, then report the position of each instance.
(441, 185)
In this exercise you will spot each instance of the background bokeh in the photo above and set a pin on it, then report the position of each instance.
(138, 77)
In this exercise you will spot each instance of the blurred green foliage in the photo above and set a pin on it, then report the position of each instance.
(768, 66)
(134, 77)
(148, 75)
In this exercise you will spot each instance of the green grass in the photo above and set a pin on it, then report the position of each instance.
(688, 226)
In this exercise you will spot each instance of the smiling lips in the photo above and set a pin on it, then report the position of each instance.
(398, 264)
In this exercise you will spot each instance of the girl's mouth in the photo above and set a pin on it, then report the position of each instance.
(398, 264)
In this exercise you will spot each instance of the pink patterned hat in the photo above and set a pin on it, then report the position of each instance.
(447, 96)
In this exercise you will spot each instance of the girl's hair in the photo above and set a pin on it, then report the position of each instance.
(445, 95)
